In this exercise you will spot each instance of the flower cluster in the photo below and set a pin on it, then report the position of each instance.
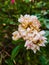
(29, 30)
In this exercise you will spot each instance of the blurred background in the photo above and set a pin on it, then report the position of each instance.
(11, 52)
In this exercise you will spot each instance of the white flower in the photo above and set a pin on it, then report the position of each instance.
(42, 32)
(33, 17)
(35, 40)
(28, 44)
(34, 36)
(42, 41)
(22, 31)
(16, 35)
(21, 19)
(26, 16)
(28, 20)
(32, 46)
(29, 30)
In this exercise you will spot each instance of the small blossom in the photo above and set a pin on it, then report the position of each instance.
(32, 46)
(28, 44)
(42, 32)
(35, 40)
(28, 20)
(12, 1)
(16, 35)
(4, 24)
(22, 31)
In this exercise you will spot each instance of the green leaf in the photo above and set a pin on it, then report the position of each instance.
(43, 60)
(9, 62)
(47, 33)
(6, 3)
(46, 22)
(18, 41)
(15, 51)
(27, 1)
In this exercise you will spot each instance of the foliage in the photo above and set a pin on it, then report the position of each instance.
(13, 52)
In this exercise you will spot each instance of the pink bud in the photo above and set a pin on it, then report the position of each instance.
(12, 1)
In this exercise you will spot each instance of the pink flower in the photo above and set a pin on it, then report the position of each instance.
(12, 1)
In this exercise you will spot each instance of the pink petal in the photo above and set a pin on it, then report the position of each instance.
(12, 1)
